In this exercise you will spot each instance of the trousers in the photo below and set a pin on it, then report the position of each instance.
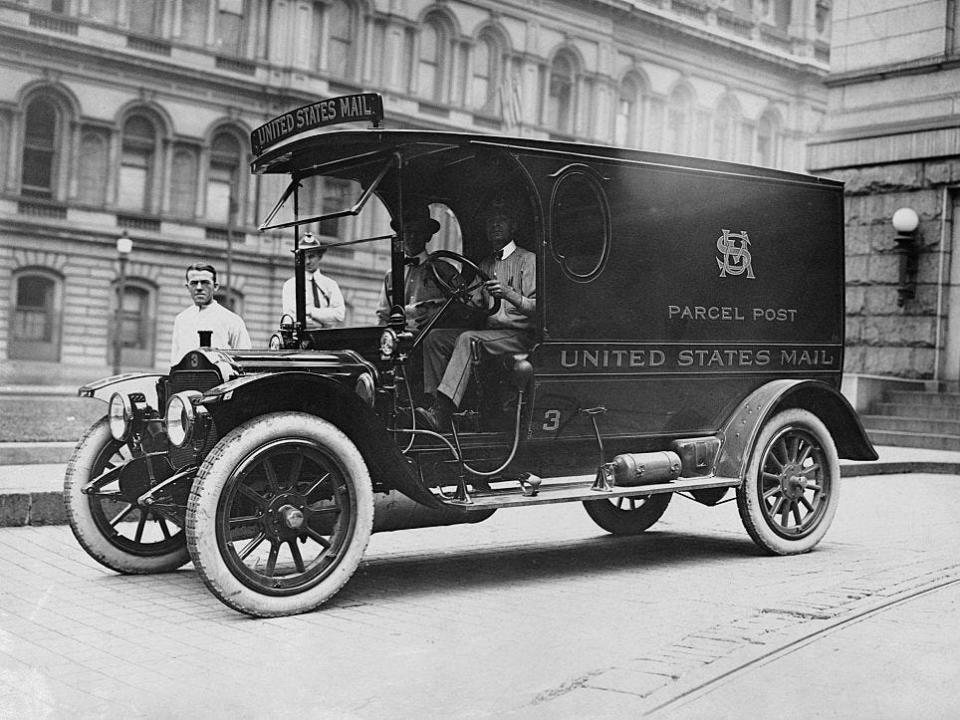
(452, 376)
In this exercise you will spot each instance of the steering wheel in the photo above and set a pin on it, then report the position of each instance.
(456, 285)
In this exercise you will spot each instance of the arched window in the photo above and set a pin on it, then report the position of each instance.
(561, 93)
(222, 178)
(341, 39)
(137, 164)
(431, 59)
(487, 73)
(40, 145)
(137, 324)
(768, 141)
(679, 121)
(193, 22)
(725, 124)
(92, 170)
(628, 127)
(37, 311)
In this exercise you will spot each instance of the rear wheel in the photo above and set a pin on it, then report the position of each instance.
(114, 531)
(280, 514)
(789, 497)
(627, 515)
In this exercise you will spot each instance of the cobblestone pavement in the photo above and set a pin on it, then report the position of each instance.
(535, 613)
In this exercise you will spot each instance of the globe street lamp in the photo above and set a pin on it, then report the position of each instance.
(905, 222)
(124, 247)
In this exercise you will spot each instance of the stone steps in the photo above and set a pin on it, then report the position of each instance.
(914, 440)
(914, 418)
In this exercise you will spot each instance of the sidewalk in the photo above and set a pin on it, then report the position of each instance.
(30, 494)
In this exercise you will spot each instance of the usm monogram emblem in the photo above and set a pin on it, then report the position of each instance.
(735, 248)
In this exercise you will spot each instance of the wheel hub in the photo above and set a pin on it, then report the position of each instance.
(792, 481)
(284, 517)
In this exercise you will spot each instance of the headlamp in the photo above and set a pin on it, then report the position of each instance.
(181, 417)
(120, 417)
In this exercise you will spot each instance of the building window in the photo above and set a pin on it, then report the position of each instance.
(768, 142)
(60, 7)
(430, 60)
(146, 17)
(337, 195)
(822, 18)
(222, 177)
(230, 27)
(679, 121)
(193, 22)
(341, 39)
(183, 189)
(39, 148)
(560, 94)
(627, 129)
(137, 325)
(104, 11)
(35, 334)
(137, 163)
(92, 170)
(487, 74)
(231, 299)
(725, 124)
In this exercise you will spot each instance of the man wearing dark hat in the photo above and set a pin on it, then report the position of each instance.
(325, 307)
(422, 297)
(513, 279)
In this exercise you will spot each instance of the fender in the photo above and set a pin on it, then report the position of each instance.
(740, 432)
(236, 401)
(126, 383)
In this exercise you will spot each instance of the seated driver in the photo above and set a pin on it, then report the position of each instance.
(446, 352)
(422, 296)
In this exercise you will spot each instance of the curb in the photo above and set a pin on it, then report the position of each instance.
(18, 509)
(35, 453)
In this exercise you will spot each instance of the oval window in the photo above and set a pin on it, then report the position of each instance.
(579, 225)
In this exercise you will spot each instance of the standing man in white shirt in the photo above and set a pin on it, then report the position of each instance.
(227, 329)
(325, 307)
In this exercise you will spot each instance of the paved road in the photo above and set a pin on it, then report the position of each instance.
(533, 614)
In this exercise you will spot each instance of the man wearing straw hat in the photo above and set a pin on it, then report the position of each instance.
(325, 307)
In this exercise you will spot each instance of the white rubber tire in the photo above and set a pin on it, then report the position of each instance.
(230, 454)
(761, 488)
(120, 555)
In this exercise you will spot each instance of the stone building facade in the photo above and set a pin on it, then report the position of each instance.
(892, 133)
(132, 117)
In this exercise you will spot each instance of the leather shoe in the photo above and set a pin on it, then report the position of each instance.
(430, 418)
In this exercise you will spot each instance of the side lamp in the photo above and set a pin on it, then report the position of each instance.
(905, 222)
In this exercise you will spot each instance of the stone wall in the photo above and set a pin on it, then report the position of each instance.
(883, 336)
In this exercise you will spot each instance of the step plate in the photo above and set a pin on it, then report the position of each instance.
(563, 490)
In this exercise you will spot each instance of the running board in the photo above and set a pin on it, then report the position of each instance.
(571, 489)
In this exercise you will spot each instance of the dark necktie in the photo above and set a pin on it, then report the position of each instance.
(411, 261)
(498, 255)
(317, 292)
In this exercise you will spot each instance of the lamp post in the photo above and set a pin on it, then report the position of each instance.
(905, 222)
(124, 247)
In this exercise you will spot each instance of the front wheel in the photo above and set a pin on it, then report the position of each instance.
(280, 514)
(117, 533)
(790, 494)
(627, 515)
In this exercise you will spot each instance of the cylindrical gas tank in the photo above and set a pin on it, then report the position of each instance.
(645, 468)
